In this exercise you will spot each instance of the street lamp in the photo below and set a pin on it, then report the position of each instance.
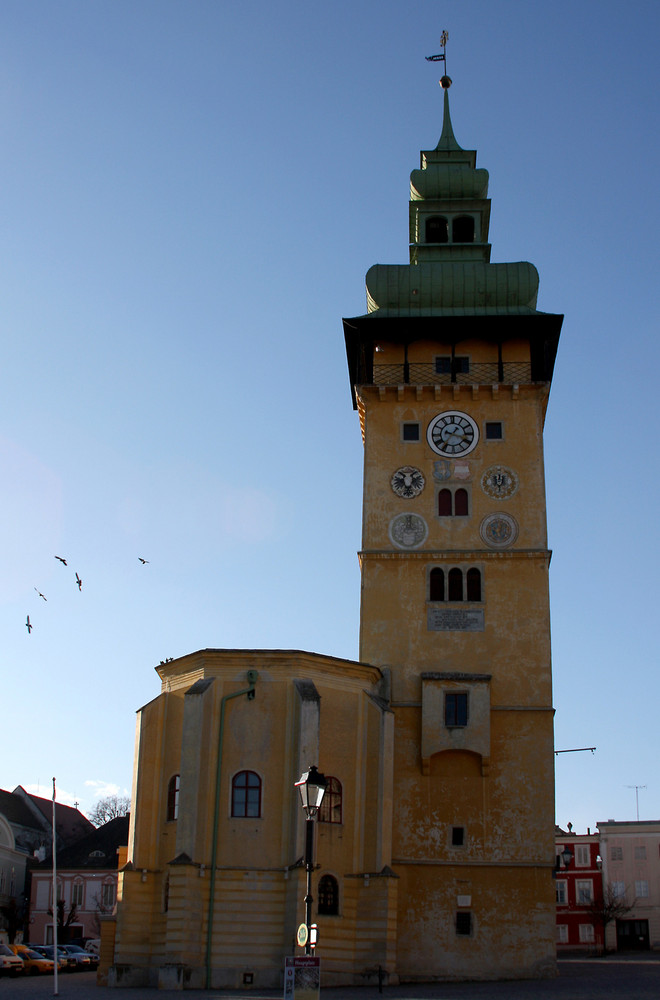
(312, 788)
(566, 856)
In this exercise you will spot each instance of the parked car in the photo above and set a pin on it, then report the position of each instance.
(34, 963)
(84, 959)
(10, 963)
(65, 963)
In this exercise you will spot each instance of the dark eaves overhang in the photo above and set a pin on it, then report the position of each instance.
(362, 333)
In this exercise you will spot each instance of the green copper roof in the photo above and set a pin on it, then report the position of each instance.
(447, 139)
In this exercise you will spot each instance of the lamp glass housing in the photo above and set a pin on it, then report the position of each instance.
(312, 785)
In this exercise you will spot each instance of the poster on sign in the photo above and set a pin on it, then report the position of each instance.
(302, 977)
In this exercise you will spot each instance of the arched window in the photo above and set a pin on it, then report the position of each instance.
(173, 797)
(455, 585)
(437, 584)
(437, 230)
(473, 584)
(330, 811)
(444, 503)
(246, 794)
(462, 230)
(328, 891)
(461, 503)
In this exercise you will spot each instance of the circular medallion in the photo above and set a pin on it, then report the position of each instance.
(499, 482)
(499, 530)
(407, 482)
(408, 531)
(452, 433)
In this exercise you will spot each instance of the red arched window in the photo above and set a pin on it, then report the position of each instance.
(444, 503)
(461, 503)
(246, 794)
(330, 811)
(173, 797)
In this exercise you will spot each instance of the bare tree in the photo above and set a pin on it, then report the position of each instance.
(109, 808)
(611, 907)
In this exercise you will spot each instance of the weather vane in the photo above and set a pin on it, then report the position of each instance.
(445, 82)
(442, 56)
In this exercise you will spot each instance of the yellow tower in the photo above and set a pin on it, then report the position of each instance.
(451, 370)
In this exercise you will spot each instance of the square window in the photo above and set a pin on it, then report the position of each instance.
(457, 836)
(446, 365)
(410, 432)
(584, 890)
(640, 854)
(616, 853)
(464, 923)
(456, 709)
(586, 933)
(494, 431)
(641, 889)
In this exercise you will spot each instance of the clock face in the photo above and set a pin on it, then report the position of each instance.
(452, 433)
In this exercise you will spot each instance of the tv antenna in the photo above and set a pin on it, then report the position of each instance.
(637, 788)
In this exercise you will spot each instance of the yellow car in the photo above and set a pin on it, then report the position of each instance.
(34, 963)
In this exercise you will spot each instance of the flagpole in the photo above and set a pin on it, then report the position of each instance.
(55, 955)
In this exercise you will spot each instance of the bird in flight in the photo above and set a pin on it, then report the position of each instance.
(40, 594)
(79, 582)
(28, 625)
(143, 561)
(61, 560)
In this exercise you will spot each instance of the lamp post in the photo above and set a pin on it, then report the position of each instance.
(312, 788)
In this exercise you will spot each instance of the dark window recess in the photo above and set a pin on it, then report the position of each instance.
(410, 432)
(328, 892)
(330, 811)
(461, 503)
(455, 585)
(473, 584)
(457, 836)
(246, 794)
(456, 709)
(436, 585)
(173, 798)
(462, 230)
(444, 503)
(494, 430)
(464, 923)
(436, 230)
(446, 365)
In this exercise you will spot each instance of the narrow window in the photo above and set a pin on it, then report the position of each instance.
(457, 836)
(328, 895)
(437, 584)
(642, 888)
(446, 365)
(444, 503)
(494, 430)
(560, 893)
(166, 894)
(246, 794)
(461, 503)
(464, 923)
(456, 709)
(330, 811)
(173, 797)
(562, 933)
(437, 230)
(462, 230)
(474, 584)
(584, 891)
(77, 894)
(410, 432)
(455, 585)
(108, 894)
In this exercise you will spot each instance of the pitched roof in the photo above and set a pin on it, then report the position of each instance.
(96, 850)
(70, 823)
(17, 812)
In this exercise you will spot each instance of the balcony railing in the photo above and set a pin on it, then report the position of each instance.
(479, 373)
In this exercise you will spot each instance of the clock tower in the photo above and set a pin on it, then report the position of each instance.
(450, 372)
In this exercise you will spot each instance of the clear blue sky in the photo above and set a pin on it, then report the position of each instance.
(191, 194)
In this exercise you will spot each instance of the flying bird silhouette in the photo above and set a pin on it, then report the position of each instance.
(79, 582)
(61, 560)
(28, 626)
(143, 561)
(40, 594)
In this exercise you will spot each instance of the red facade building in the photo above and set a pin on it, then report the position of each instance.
(579, 892)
